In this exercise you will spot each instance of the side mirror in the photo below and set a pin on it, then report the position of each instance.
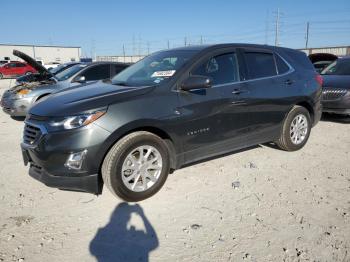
(196, 82)
(80, 79)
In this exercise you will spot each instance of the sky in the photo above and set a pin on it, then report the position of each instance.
(107, 27)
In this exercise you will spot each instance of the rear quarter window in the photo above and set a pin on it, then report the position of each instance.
(282, 67)
(299, 60)
(260, 64)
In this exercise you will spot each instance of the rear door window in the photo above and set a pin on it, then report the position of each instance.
(97, 72)
(260, 64)
(221, 69)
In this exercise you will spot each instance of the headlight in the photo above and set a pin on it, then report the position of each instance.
(22, 93)
(72, 122)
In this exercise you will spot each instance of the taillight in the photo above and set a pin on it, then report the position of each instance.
(319, 79)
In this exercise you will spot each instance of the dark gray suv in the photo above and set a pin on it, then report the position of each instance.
(172, 108)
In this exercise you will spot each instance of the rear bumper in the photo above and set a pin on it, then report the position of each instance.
(338, 106)
(317, 114)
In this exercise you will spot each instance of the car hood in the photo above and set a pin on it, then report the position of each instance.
(336, 81)
(32, 85)
(38, 67)
(80, 99)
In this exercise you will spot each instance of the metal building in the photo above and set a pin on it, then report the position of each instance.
(47, 54)
(120, 58)
(334, 50)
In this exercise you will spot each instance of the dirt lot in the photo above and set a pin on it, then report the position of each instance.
(262, 204)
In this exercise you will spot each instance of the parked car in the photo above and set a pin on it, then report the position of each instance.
(170, 109)
(40, 77)
(336, 87)
(14, 69)
(322, 60)
(51, 65)
(17, 100)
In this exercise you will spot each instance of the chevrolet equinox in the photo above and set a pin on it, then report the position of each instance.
(170, 109)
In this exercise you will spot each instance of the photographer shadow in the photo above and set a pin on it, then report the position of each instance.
(116, 242)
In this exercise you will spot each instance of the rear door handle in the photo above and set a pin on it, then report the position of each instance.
(238, 91)
(289, 82)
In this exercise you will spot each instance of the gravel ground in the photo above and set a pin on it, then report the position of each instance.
(261, 204)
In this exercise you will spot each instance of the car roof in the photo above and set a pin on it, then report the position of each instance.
(225, 45)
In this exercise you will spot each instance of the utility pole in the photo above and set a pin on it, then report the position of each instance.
(139, 46)
(201, 42)
(267, 28)
(185, 40)
(124, 52)
(168, 44)
(148, 45)
(307, 34)
(133, 45)
(277, 27)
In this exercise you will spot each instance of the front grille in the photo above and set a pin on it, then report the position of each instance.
(36, 117)
(31, 134)
(333, 93)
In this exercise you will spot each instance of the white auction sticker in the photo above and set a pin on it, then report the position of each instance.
(163, 73)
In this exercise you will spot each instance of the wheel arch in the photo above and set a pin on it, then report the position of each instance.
(306, 104)
(131, 128)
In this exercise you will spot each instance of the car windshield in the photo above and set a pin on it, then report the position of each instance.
(338, 67)
(154, 69)
(69, 72)
(58, 68)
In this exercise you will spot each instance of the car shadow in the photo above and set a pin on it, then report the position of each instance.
(341, 119)
(120, 241)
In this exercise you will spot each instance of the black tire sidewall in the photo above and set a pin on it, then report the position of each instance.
(297, 111)
(116, 177)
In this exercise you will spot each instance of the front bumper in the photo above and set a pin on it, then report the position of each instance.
(48, 155)
(14, 106)
(89, 183)
(338, 106)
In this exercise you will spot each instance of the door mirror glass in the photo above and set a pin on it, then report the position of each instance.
(80, 79)
(196, 82)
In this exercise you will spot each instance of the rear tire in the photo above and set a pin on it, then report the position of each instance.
(296, 129)
(122, 169)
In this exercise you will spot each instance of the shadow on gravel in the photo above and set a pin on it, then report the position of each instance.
(335, 118)
(119, 242)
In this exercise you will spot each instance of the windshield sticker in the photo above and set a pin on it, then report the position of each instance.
(167, 73)
(158, 80)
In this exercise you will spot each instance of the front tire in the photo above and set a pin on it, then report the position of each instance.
(296, 129)
(1, 76)
(137, 166)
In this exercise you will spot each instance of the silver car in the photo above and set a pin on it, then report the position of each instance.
(19, 99)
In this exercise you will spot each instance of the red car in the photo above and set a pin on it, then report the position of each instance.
(14, 69)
